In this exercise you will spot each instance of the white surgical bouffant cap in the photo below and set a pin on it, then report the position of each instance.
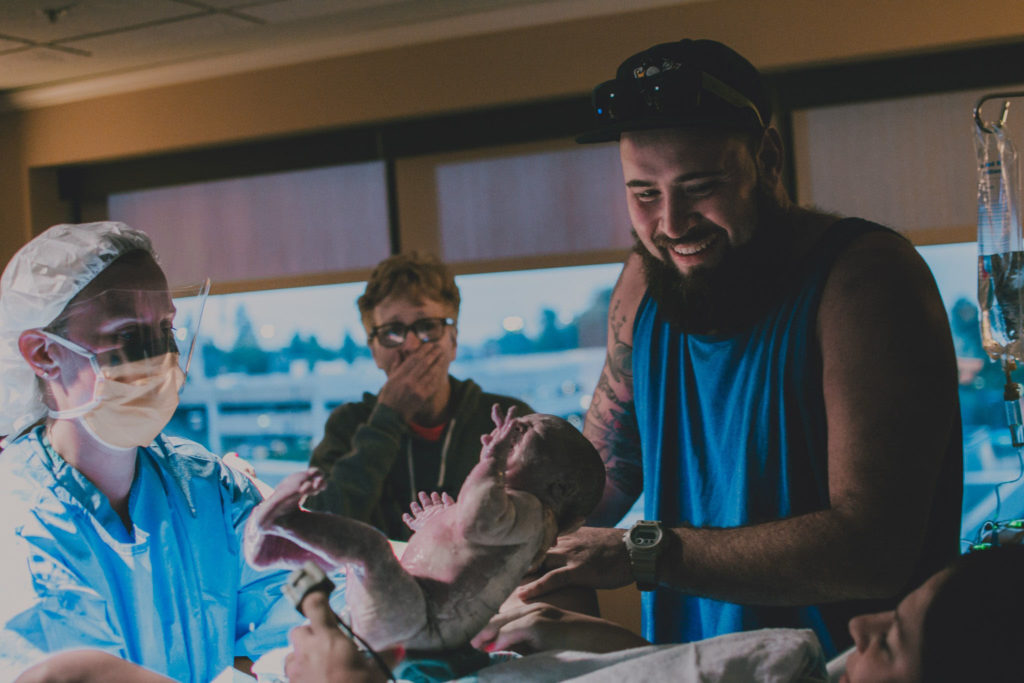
(36, 285)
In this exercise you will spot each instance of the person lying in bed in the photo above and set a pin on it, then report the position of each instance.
(538, 477)
(962, 624)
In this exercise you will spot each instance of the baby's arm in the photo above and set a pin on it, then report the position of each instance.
(488, 512)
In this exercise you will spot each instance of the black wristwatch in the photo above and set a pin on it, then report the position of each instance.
(643, 543)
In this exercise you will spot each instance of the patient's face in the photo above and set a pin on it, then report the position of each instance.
(888, 644)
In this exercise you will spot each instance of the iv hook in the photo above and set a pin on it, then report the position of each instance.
(990, 127)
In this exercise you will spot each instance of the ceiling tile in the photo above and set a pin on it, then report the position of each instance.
(118, 40)
(26, 19)
(352, 16)
(27, 67)
(8, 45)
(244, 5)
(296, 10)
(162, 43)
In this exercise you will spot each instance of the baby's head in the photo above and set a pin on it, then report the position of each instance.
(551, 459)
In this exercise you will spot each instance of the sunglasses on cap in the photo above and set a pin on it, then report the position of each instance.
(392, 335)
(678, 93)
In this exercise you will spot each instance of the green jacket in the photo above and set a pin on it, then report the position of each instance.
(366, 453)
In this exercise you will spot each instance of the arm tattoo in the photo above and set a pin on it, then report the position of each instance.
(627, 477)
(619, 361)
(611, 425)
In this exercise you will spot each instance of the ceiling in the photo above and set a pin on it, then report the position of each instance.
(61, 50)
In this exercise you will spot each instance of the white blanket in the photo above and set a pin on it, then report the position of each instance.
(765, 656)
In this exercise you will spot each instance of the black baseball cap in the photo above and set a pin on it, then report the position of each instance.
(687, 83)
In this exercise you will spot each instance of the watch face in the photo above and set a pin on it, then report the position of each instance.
(645, 536)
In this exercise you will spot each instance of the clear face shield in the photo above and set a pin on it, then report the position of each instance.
(139, 344)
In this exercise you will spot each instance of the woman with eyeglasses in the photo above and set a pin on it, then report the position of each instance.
(422, 430)
(120, 548)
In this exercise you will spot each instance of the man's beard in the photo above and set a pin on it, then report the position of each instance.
(725, 297)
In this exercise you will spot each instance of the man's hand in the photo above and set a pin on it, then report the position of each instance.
(538, 626)
(414, 380)
(321, 653)
(592, 556)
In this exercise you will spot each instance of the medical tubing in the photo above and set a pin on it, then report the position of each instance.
(999, 498)
(1012, 405)
(366, 646)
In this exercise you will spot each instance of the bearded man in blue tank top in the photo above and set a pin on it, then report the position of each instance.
(780, 383)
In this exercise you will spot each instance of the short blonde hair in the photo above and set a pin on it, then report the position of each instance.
(411, 275)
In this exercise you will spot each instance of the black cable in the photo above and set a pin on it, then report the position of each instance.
(366, 647)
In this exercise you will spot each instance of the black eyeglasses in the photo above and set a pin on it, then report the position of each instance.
(676, 92)
(392, 335)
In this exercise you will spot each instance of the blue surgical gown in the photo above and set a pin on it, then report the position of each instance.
(174, 594)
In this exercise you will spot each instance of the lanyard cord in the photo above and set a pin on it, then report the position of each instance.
(444, 460)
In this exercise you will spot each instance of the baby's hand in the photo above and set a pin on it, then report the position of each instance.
(496, 444)
(430, 506)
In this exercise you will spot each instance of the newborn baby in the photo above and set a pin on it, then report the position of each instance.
(537, 478)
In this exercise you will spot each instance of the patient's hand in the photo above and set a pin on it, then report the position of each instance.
(429, 507)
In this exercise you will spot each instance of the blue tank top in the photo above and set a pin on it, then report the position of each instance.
(733, 432)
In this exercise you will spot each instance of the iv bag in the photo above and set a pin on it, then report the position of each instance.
(1000, 246)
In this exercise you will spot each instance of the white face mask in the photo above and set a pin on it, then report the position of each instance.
(131, 402)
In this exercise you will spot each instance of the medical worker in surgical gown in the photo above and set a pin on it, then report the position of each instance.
(112, 536)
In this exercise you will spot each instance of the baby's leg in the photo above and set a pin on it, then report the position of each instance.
(385, 601)
(263, 543)
(387, 606)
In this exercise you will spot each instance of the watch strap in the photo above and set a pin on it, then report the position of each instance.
(643, 559)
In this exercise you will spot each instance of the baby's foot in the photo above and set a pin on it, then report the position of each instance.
(286, 498)
(430, 506)
(262, 542)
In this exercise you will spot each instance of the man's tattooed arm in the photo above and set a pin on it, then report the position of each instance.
(612, 427)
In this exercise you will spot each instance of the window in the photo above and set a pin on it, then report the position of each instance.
(505, 205)
(269, 366)
(265, 228)
(991, 463)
